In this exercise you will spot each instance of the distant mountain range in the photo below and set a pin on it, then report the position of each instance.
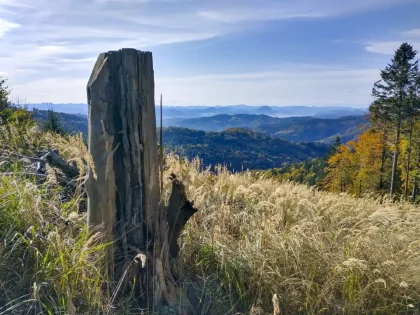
(170, 112)
(239, 149)
(292, 128)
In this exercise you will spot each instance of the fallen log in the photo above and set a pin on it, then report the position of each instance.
(51, 157)
(56, 161)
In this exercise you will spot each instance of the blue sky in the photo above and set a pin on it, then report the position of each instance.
(209, 52)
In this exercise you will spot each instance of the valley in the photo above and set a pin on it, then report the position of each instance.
(238, 149)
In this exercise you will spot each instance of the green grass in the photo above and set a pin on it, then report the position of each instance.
(48, 261)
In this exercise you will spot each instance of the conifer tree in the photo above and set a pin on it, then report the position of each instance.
(392, 96)
(335, 146)
(53, 123)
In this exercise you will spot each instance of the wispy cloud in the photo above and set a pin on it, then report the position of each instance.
(59, 40)
(242, 11)
(414, 33)
(6, 26)
(295, 84)
(389, 47)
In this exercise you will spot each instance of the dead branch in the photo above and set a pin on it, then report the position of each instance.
(178, 212)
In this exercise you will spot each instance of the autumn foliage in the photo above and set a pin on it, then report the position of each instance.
(364, 166)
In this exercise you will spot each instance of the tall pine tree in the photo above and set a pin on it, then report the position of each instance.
(392, 96)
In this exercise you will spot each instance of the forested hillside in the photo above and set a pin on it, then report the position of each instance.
(310, 172)
(69, 122)
(292, 128)
(238, 149)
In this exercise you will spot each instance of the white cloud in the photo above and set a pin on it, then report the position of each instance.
(411, 33)
(241, 11)
(295, 84)
(56, 90)
(61, 39)
(6, 26)
(389, 47)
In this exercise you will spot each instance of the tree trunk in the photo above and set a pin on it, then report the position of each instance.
(407, 175)
(416, 178)
(395, 160)
(123, 183)
(383, 160)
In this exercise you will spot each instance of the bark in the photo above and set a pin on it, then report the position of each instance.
(179, 211)
(416, 178)
(123, 187)
(161, 144)
(383, 160)
(395, 160)
(407, 174)
(56, 161)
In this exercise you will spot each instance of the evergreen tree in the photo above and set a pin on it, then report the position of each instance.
(53, 123)
(334, 147)
(392, 100)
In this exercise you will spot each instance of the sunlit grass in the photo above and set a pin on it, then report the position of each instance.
(320, 252)
(252, 238)
(48, 261)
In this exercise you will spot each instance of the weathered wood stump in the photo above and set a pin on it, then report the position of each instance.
(123, 187)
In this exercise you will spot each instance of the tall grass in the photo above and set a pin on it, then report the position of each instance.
(48, 261)
(49, 264)
(319, 252)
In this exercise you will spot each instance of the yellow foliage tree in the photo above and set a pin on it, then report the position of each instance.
(340, 170)
(356, 166)
(368, 156)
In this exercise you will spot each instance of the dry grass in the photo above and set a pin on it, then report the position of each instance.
(252, 238)
(319, 252)
(49, 264)
(48, 261)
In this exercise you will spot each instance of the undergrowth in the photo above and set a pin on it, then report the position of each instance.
(48, 261)
(321, 253)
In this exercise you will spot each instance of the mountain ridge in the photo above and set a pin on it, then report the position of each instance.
(295, 129)
(176, 111)
(305, 128)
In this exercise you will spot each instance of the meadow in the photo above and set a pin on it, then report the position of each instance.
(253, 238)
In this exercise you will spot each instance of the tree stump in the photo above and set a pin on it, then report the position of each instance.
(123, 186)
